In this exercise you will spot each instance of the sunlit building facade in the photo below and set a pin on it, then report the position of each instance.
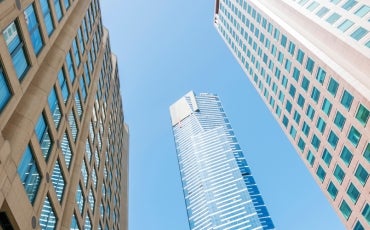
(309, 61)
(63, 140)
(219, 189)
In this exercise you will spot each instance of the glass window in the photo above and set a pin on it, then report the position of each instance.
(292, 90)
(46, 13)
(333, 139)
(321, 173)
(48, 219)
(300, 101)
(322, 12)
(63, 85)
(78, 105)
(76, 54)
(66, 4)
(296, 74)
(293, 132)
(326, 156)
(339, 120)
(315, 142)
(358, 226)
(310, 112)
(74, 223)
(333, 86)
(288, 106)
(66, 150)
(301, 144)
(349, 4)
(87, 223)
(326, 107)
(346, 155)
(305, 83)
(5, 93)
(315, 95)
(359, 33)
(291, 48)
(345, 25)
(366, 213)
(306, 129)
(80, 199)
(83, 88)
(339, 174)
(70, 67)
(58, 181)
(54, 107)
(29, 174)
(33, 28)
(332, 190)
(367, 153)
(313, 6)
(310, 65)
(73, 125)
(300, 56)
(361, 174)
(43, 135)
(362, 11)
(354, 136)
(81, 41)
(84, 172)
(345, 209)
(320, 125)
(362, 114)
(58, 9)
(91, 200)
(353, 193)
(16, 49)
(320, 76)
(333, 18)
(346, 100)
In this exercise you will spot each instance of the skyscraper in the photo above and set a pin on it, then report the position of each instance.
(219, 189)
(63, 140)
(309, 61)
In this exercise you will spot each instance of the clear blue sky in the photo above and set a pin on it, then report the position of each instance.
(166, 48)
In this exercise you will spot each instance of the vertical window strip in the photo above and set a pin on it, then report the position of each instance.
(43, 135)
(78, 105)
(48, 219)
(84, 172)
(73, 125)
(75, 52)
(33, 28)
(5, 93)
(63, 85)
(48, 19)
(58, 181)
(58, 9)
(80, 200)
(54, 107)
(70, 67)
(66, 150)
(29, 174)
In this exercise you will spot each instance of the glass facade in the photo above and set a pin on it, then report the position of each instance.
(214, 171)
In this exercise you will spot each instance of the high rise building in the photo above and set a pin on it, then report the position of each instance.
(219, 189)
(63, 140)
(309, 61)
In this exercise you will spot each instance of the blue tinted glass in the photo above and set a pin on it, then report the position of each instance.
(66, 149)
(75, 52)
(33, 28)
(74, 224)
(80, 200)
(42, 133)
(73, 125)
(54, 107)
(70, 67)
(66, 4)
(5, 93)
(58, 181)
(47, 16)
(29, 174)
(58, 9)
(63, 85)
(48, 220)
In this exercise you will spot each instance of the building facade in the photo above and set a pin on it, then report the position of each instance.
(309, 61)
(219, 189)
(63, 140)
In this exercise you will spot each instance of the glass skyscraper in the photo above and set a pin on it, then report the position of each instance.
(219, 189)
(63, 139)
(309, 61)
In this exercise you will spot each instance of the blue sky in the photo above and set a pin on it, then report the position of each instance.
(166, 48)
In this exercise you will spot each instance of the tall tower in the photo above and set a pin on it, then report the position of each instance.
(309, 61)
(63, 140)
(219, 189)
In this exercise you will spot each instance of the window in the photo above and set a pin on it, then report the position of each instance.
(367, 153)
(293, 132)
(315, 95)
(326, 107)
(48, 19)
(288, 106)
(332, 190)
(292, 90)
(326, 156)
(333, 139)
(346, 155)
(87, 223)
(366, 213)
(339, 120)
(300, 101)
(43, 135)
(358, 226)
(361, 174)
(66, 4)
(333, 86)
(70, 67)
(313, 6)
(359, 33)
(346, 100)
(339, 174)
(349, 4)
(91, 200)
(291, 48)
(306, 129)
(321, 173)
(80, 200)
(54, 107)
(76, 54)
(63, 85)
(320, 76)
(310, 112)
(66, 150)
(333, 18)
(310, 65)
(29, 174)
(322, 12)
(353, 193)
(48, 220)
(305, 84)
(16, 49)
(73, 125)
(81, 41)
(33, 28)
(296, 74)
(300, 56)
(301, 144)
(58, 9)
(297, 117)
(58, 181)
(345, 209)
(315, 142)
(74, 223)
(84, 172)
(362, 114)
(345, 25)
(362, 11)
(354, 136)
(5, 93)
(320, 125)
(78, 105)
